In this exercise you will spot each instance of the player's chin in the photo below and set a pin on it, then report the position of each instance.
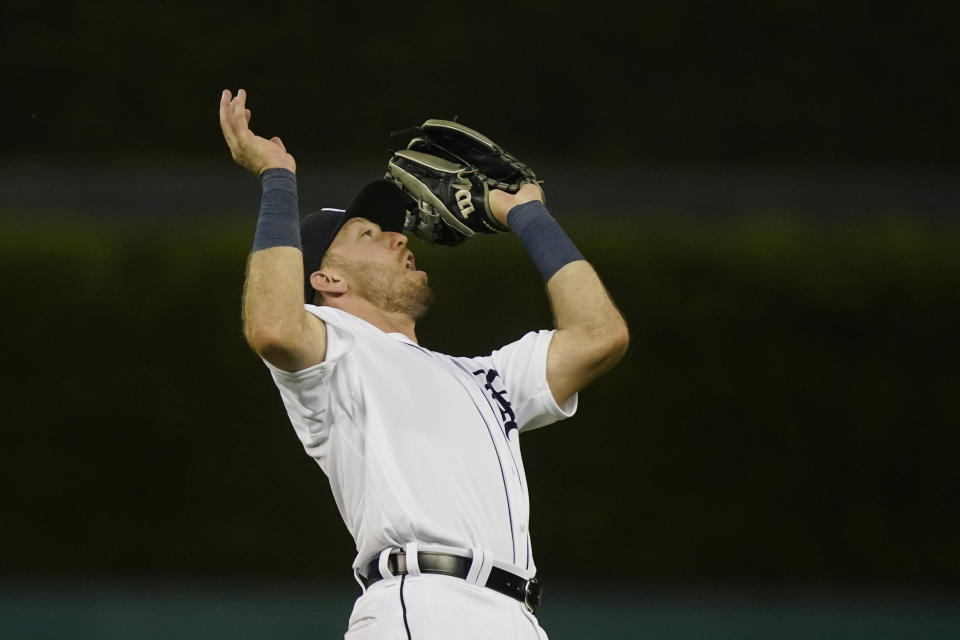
(419, 301)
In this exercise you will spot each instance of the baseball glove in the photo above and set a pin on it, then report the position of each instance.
(449, 170)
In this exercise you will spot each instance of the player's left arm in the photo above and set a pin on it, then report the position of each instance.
(591, 333)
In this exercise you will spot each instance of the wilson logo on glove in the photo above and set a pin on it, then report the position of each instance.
(463, 201)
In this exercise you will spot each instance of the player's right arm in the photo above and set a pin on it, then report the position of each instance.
(275, 323)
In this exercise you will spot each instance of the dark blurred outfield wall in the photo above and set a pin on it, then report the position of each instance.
(749, 81)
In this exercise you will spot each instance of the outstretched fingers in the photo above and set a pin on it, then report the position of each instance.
(239, 110)
(225, 126)
(234, 118)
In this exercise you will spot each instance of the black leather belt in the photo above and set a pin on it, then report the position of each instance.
(526, 591)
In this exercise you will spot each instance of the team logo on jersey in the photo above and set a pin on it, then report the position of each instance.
(500, 397)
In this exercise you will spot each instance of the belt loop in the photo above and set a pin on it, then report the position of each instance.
(479, 567)
(413, 559)
(383, 565)
(356, 576)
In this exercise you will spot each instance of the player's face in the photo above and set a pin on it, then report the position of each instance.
(378, 267)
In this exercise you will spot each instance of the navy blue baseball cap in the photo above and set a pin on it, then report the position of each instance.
(380, 201)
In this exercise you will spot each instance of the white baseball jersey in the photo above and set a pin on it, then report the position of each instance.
(420, 446)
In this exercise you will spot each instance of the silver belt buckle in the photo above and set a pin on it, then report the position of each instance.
(531, 595)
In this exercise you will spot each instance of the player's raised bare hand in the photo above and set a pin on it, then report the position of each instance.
(249, 150)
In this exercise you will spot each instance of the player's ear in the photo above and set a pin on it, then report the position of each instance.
(328, 282)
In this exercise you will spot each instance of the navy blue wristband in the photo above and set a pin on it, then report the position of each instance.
(548, 245)
(279, 222)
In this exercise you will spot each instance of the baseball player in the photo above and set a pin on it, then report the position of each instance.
(421, 449)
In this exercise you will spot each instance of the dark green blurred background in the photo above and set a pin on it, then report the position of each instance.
(769, 190)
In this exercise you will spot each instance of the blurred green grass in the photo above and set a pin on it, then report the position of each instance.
(786, 411)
